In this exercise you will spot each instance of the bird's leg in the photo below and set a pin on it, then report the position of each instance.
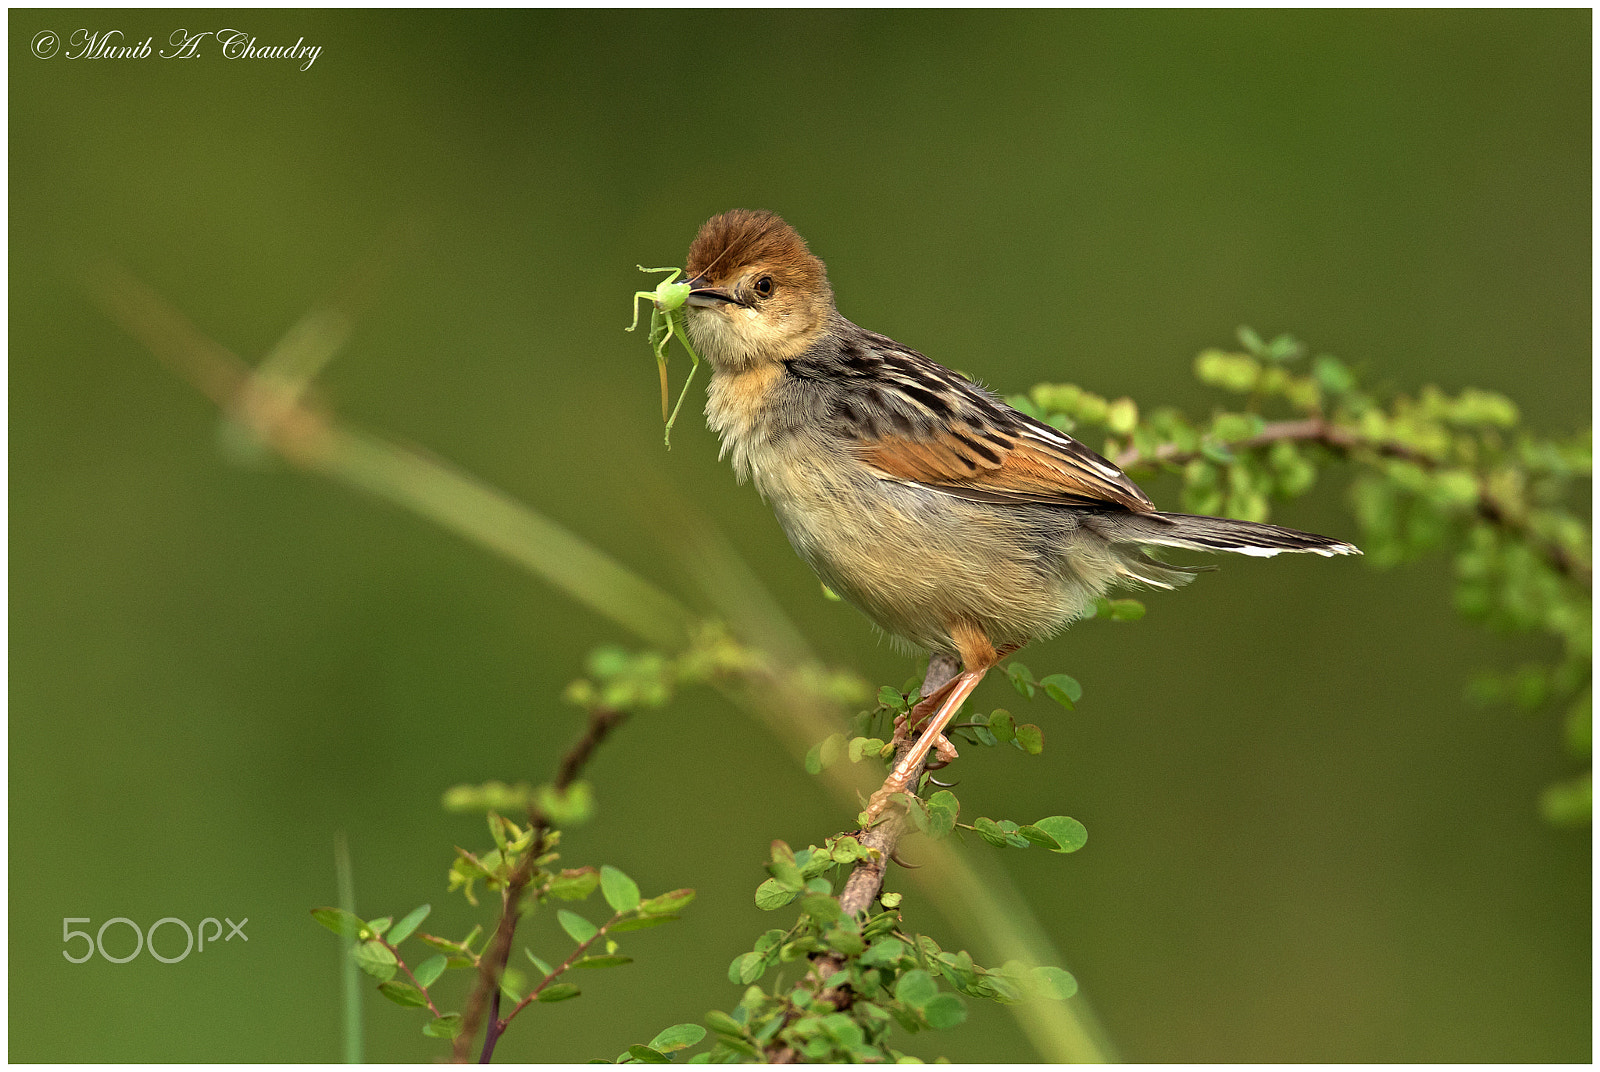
(977, 656)
(976, 652)
(905, 772)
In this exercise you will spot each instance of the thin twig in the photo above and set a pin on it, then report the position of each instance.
(572, 958)
(492, 965)
(1342, 441)
(403, 967)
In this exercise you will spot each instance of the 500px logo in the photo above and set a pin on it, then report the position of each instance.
(145, 940)
(232, 44)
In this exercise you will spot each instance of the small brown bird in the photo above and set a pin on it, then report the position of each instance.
(953, 521)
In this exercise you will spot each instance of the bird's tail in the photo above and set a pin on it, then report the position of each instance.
(1222, 534)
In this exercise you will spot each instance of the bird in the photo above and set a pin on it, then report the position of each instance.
(955, 522)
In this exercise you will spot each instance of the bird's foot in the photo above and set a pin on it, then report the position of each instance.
(901, 731)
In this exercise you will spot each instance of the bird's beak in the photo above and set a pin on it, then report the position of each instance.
(706, 297)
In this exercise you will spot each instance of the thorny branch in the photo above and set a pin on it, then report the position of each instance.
(861, 889)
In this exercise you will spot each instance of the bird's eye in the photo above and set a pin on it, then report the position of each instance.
(763, 286)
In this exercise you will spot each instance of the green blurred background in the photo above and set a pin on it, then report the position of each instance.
(1305, 845)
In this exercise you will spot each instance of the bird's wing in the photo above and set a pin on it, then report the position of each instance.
(1018, 461)
(913, 420)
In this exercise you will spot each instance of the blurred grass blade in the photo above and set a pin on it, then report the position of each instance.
(309, 437)
(350, 973)
(471, 508)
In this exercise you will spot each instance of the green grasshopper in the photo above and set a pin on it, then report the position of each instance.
(666, 320)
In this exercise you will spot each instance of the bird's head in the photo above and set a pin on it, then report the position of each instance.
(759, 294)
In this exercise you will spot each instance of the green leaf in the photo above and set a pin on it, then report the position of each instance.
(380, 925)
(1332, 374)
(375, 960)
(428, 971)
(891, 698)
(1053, 982)
(790, 952)
(339, 921)
(648, 1056)
(942, 811)
(860, 747)
(1002, 834)
(916, 809)
(786, 874)
(989, 831)
(544, 969)
(620, 891)
(610, 960)
(574, 885)
(443, 944)
(447, 1026)
(1125, 610)
(641, 923)
(1569, 803)
(723, 1024)
(1068, 833)
(813, 760)
(579, 929)
(774, 894)
(558, 992)
(402, 994)
(1039, 837)
(402, 930)
(916, 988)
(666, 902)
(677, 1037)
(1122, 416)
(825, 753)
(1062, 689)
(739, 1045)
(1021, 678)
(944, 1011)
(1002, 726)
(747, 968)
(1030, 739)
(845, 1031)
(845, 941)
(1236, 427)
(570, 808)
(885, 952)
(822, 907)
(513, 984)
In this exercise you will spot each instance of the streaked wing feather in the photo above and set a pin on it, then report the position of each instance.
(1028, 462)
(916, 421)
